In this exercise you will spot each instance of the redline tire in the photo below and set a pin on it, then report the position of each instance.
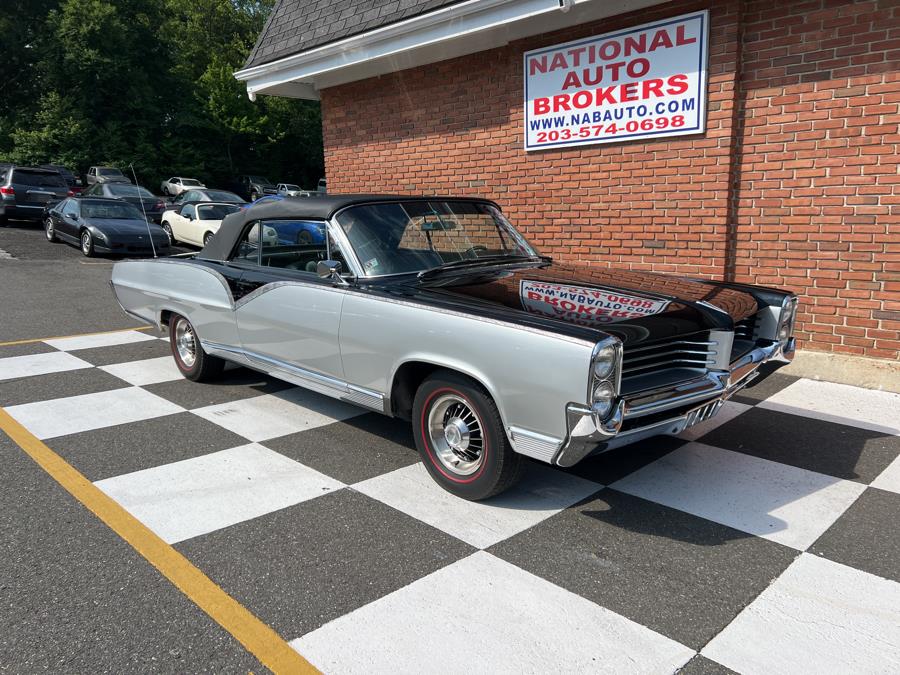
(447, 402)
(183, 339)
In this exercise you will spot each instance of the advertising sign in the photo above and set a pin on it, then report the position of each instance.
(644, 82)
(585, 306)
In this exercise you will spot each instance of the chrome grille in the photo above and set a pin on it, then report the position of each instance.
(698, 351)
(745, 329)
(702, 413)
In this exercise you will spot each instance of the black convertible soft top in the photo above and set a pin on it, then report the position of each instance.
(319, 207)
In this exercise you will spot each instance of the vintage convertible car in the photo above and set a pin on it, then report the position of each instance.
(437, 310)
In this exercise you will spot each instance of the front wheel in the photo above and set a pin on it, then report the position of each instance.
(207, 237)
(168, 230)
(192, 361)
(87, 243)
(460, 437)
(49, 229)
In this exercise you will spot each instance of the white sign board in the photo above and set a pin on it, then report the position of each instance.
(585, 306)
(644, 82)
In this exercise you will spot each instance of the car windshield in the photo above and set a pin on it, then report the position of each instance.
(110, 172)
(215, 211)
(38, 178)
(190, 182)
(129, 191)
(223, 196)
(110, 209)
(259, 179)
(291, 186)
(415, 236)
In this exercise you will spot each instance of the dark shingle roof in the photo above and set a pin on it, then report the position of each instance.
(298, 25)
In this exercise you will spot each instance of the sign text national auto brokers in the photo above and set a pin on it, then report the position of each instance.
(646, 82)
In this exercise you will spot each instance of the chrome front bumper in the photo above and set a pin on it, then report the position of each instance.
(587, 432)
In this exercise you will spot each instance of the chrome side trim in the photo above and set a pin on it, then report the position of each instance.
(308, 379)
(532, 444)
(262, 290)
(309, 284)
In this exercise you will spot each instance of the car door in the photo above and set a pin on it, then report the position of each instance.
(68, 220)
(287, 317)
(185, 222)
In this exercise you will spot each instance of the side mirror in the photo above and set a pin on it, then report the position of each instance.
(331, 269)
(189, 216)
(71, 215)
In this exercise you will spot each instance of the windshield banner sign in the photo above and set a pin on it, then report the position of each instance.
(644, 82)
(586, 306)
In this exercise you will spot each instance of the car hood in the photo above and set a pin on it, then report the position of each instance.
(124, 226)
(633, 306)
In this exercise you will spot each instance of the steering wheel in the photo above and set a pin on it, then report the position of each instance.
(473, 250)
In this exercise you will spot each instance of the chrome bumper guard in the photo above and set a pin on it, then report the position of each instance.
(586, 431)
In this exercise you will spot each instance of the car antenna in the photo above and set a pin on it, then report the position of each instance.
(149, 231)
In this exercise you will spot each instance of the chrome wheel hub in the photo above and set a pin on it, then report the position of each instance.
(455, 432)
(185, 343)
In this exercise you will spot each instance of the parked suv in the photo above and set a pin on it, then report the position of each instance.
(253, 187)
(73, 181)
(105, 174)
(25, 192)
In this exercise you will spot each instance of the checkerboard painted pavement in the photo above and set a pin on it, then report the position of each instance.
(765, 540)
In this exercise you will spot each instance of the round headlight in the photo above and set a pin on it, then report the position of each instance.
(604, 362)
(603, 398)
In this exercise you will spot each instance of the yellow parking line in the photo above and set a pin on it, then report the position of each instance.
(257, 637)
(63, 337)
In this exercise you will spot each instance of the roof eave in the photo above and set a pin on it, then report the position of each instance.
(445, 33)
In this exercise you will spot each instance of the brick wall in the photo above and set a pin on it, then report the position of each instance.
(794, 183)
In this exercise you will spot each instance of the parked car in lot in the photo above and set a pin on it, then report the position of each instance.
(175, 185)
(104, 225)
(105, 174)
(252, 187)
(143, 200)
(437, 310)
(290, 190)
(196, 223)
(26, 191)
(204, 195)
(322, 186)
(72, 181)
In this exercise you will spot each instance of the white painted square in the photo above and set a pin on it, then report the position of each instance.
(271, 415)
(200, 495)
(74, 414)
(726, 413)
(15, 367)
(889, 479)
(775, 501)
(147, 371)
(841, 403)
(484, 615)
(818, 617)
(542, 493)
(124, 337)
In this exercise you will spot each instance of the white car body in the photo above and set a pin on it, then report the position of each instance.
(194, 223)
(176, 185)
(291, 190)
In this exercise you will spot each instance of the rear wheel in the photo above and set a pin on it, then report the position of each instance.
(192, 361)
(49, 229)
(460, 437)
(87, 243)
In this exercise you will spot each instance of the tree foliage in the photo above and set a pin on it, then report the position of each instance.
(147, 83)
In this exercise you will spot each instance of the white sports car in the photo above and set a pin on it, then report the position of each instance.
(197, 223)
(176, 185)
